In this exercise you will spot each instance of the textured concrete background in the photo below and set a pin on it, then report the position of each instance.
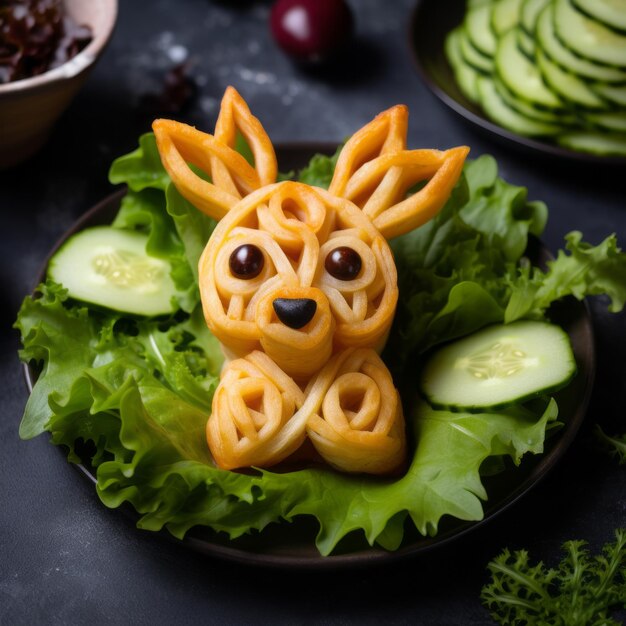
(64, 557)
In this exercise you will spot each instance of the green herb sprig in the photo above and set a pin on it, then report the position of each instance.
(614, 444)
(581, 591)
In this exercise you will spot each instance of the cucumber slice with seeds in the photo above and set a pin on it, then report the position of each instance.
(109, 267)
(499, 366)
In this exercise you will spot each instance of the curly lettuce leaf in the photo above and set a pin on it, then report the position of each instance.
(499, 211)
(47, 328)
(319, 172)
(443, 478)
(69, 340)
(193, 227)
(142, 168)
(145, 211)
(586, 271)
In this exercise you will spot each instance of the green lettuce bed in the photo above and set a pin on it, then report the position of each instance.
(140, 390)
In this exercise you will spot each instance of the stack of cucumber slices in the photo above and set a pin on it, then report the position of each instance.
(553, 69)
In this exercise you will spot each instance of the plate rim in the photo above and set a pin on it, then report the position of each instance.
(510, 138)
(374, 555)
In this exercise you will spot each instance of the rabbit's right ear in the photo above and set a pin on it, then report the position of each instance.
(232, 176)
(385, 134)
(398, 189)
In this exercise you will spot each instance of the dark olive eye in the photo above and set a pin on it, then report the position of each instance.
(246, 261)
(343, 263)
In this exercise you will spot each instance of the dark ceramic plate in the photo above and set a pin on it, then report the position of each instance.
(432, 20)
(292, 545)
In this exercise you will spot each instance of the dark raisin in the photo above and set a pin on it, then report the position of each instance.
(343, 263)
(246, 261)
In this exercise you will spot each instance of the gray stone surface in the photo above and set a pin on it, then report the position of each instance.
(64, 557)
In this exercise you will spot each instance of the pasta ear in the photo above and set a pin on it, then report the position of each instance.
(441, 169)
(234, 117)
(376, 172)
(232, 176)
(385, 134)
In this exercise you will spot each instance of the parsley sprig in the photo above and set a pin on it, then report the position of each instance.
(614, 444)
(581, 591)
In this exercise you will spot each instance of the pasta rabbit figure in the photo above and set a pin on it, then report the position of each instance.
(299, 285)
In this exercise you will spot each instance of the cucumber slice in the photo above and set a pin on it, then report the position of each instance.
(587, 37)
(472, 56)
(499, 366)
(609, 12)
(530, 13)
(568, 86)
(452, 47)
(528, 110)
(526, 43)
(504, 115)
(505, 15)
(603, 144)
(520, 75)
(478, 26)
(552, 46)
(466, 77)
(610, 120)
(109, 267)
(615, 94)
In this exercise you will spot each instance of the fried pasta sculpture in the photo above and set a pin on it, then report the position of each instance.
(299, 286)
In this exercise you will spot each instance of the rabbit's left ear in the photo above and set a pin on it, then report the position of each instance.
(232, 177)
(378, 174)
(235, 117)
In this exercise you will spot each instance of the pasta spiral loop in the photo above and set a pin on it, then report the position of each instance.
(252, 406)
(359, 426)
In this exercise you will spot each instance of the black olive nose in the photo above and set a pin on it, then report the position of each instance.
(295, 312)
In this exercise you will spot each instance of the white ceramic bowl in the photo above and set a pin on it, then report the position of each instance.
(30, 107)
